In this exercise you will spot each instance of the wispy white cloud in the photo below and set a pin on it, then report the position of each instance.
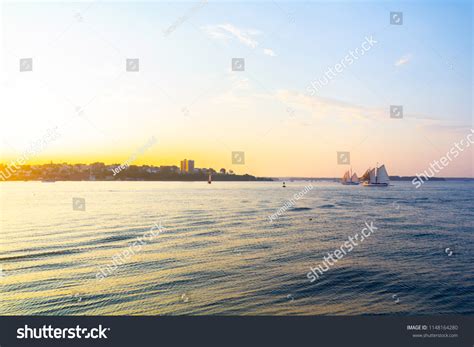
(320, 107)
(403, 60)
(244, 95)
(269, 52)
(323, 108)
(228, 31)
(239, 82)
(444, 125)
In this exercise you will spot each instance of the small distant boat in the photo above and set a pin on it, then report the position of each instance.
(350, 179)
(284, 186)
(377, 177)
(209, 179)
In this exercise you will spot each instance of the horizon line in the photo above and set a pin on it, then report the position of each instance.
(267, 176)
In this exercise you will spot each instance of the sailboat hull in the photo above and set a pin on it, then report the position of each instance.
(350, 183)
(366, 184)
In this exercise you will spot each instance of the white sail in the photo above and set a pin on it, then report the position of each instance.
(382, 175)
(354, 178)
(372, 177)
(346, 178)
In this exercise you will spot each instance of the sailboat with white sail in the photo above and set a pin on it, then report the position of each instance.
(376, 177)
(350, 178)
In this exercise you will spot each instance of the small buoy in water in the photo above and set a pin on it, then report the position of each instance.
(284, 185)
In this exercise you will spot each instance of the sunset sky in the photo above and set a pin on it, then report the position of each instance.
(187, 96)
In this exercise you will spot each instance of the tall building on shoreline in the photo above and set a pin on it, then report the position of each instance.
(187, 165)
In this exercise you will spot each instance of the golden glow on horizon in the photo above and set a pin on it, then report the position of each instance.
(269, 159)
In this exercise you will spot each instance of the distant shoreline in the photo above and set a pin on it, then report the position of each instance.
(239, 178)
(392, 178)
(101, 172)
(217, 178)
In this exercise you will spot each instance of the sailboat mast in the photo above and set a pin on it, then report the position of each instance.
(376, 173)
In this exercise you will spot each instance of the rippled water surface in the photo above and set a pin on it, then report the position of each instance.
(218, 252)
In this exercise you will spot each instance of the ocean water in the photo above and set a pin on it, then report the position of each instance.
(218, 253)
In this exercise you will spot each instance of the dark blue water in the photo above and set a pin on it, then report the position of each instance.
(219, 253)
